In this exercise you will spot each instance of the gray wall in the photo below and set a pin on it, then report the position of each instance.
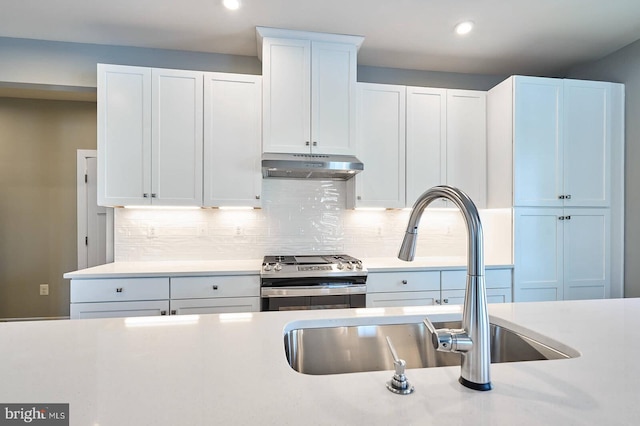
(38, 143)
(623, 66)
(72, 66)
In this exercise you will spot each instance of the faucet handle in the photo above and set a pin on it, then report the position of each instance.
(447, 339)
(398, 383)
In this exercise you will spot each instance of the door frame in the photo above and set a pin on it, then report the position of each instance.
(81, 171)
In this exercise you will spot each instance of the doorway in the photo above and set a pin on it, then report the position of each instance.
(95, 223)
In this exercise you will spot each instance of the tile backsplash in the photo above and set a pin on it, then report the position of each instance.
(297, 217)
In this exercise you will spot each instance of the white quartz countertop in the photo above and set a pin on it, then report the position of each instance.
(252, 266)
(169, 268)
(231, 369)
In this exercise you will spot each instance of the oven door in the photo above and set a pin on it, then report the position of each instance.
(304, 294)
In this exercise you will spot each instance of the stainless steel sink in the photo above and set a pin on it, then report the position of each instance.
(357, 348)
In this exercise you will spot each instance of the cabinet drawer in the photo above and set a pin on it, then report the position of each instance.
(494, 278)
(119, 289)
(215, 306)
(403, 298)
(215, 286)
(119, 309)
(380, 282)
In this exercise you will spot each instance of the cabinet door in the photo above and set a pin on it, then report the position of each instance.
(124, 135)
(538, 153)
(426, 141)
(467, 143)
(215, 306)
(587, 143)
(286, 100)
(232, 136)
(177, 138)
(538, 249)
(119, 309)
(587, 260)
(333, 98)
(405, 298)
(381, 146)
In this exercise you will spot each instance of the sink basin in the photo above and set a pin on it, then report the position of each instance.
(357, 348)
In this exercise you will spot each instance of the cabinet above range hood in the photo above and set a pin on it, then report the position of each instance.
(310, 166)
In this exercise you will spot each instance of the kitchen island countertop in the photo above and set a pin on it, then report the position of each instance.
(231, 369)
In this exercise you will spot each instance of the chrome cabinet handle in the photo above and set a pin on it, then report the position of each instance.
(257, 197)
(119, 290)
(561, 218)
(438, 302)
(568, 197)
(153, 195)
(215, 287)
(145, 195)
(404, 281)
(306, 143)
(174, 312)
(163, 312)
(315, 143)
(561, 197)
(445, 300)
(568, 217)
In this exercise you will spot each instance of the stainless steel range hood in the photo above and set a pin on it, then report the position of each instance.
(310, 166)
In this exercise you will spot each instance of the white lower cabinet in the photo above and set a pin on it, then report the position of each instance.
(119, 309)
(420, 288)
(119, 297)
(215, 294)
(562, 254)
(128, 297)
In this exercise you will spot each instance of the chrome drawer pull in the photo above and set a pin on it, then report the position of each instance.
(215, 286)
(119, 290)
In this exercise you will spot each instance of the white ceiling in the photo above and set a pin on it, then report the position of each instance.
(541, 37)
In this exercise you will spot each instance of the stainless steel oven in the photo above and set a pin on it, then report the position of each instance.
(312, 282)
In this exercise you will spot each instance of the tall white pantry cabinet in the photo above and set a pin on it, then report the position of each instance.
(555, 153)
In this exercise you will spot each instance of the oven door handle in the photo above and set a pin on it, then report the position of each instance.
(314, 290)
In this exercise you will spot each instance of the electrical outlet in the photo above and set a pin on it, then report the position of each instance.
(44, 289)
(151, 232)
(238, 230)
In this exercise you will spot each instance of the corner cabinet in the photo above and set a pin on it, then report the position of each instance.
(149, 136)
(380, 146)
(309, 91)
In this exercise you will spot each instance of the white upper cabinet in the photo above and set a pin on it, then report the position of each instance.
(446, 142)
(426, 141)
(467, 143)
(232, 149)
(560, 134)
(309, 92)
(587, 143)
(149, 136)
(124, 135)
(381, 147)
(176, 149)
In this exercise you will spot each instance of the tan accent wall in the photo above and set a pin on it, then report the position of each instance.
(38, 143)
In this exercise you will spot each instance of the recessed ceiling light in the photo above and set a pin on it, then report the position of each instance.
(231, 4)
(464, 28)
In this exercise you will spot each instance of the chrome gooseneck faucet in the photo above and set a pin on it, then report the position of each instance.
(473, 339)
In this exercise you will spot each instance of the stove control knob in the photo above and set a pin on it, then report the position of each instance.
(350, 265)
(359, 264)
(340, 266)
(267, 267)
(277, 267)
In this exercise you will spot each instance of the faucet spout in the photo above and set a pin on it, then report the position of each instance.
(476, 350)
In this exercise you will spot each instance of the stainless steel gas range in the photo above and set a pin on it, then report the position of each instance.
(312, 282)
